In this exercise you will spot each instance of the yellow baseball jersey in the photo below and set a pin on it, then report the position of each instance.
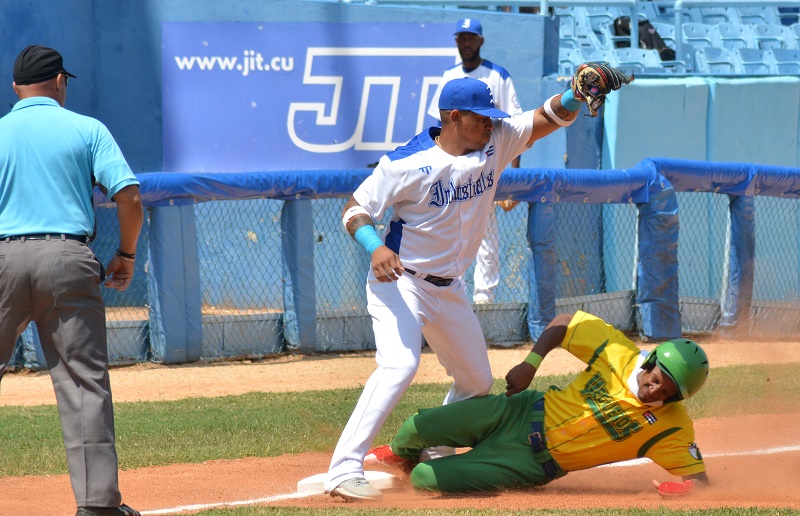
(597, 419)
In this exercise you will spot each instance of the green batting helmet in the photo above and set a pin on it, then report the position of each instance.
(684, 362)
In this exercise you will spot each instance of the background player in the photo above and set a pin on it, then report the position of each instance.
(469, 40)
(49, 159)
(626, 404)
(441, 186)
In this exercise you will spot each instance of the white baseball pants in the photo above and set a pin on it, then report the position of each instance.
(402, 312)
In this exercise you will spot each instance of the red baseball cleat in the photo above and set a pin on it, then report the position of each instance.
(384, 455)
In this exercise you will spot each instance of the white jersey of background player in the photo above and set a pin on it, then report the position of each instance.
(469, 39)
(441, 187)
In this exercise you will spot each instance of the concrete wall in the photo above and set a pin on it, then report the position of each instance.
(746, 119)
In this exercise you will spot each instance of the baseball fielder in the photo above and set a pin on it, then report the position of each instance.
(469, 39)
(441, 188)
(626, 404)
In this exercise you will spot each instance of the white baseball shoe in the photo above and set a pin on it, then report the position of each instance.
(357, 488)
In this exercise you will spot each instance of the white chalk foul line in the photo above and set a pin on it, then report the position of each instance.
(204, 506)
(768, 451)
(289, 496)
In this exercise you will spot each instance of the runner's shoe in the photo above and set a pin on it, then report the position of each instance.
(384, 455)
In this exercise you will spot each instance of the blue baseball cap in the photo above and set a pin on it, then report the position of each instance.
(467, 94)
(469, 25)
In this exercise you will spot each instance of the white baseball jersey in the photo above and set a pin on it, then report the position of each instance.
(441, 202)
(498, 79)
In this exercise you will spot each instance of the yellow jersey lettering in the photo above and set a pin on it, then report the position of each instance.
(607, 412)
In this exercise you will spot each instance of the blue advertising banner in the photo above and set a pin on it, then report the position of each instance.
(241, 97)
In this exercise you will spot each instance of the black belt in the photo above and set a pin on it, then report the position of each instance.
(538, 445)
(48, 236)
(433, 280)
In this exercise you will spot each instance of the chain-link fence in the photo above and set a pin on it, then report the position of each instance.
(127, 312)
(241, 277)
(242, 269)
(775, 310)
(597, 260)
(702, 244)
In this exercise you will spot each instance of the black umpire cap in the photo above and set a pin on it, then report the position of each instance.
(38, 64)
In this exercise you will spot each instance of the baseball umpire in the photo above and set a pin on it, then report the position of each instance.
(49, 159)
(441, 188)
(626, 404)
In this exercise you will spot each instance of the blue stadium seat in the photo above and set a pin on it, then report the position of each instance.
(795, 28)
(682, 64)
(666, 31)
(789, 15)
(599, 16)
(785, 60)
(736, 35)
(568, 60)
(574, 29)
(754, 15)
(701, 35)
(756, 61)
(717, 15)
(770, 35)
(639, 61)
(599, 55)
(718, 61)
(654, 13)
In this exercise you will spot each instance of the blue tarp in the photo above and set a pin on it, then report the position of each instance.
(651, 185)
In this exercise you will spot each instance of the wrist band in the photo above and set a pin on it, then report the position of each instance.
(569, 101)
(368, 238)
(126, 255)
(534, 359)
(352, 212)
(556, 119)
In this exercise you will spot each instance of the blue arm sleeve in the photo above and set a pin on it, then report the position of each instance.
(368, 238)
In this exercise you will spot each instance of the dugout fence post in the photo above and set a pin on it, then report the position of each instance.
(176, 320)
(299, 291)
(657, 302)
(542, 267)
(738, 295)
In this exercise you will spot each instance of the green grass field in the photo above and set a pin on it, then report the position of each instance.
(267, 425)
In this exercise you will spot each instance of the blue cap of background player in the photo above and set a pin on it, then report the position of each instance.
(467, 94)
(469, 25)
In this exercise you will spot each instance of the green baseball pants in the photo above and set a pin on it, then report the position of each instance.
(496, 427)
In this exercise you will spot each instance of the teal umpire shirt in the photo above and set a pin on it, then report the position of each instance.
(53, 153)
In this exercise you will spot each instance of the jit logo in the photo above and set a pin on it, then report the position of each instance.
(372, 88)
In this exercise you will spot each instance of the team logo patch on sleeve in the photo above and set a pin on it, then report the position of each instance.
(650, 417)
(694, 451)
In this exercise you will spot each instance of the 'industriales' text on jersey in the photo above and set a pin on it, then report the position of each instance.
(441, 196)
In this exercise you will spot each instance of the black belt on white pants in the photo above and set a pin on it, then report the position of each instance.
(433, 280)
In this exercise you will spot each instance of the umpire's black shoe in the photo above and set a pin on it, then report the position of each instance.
(122, 510)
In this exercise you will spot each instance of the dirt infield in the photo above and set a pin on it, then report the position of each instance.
(752, 460)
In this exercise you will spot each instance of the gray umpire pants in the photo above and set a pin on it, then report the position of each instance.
(56, 283)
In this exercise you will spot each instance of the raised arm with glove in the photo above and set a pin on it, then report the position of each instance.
(593, 81)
